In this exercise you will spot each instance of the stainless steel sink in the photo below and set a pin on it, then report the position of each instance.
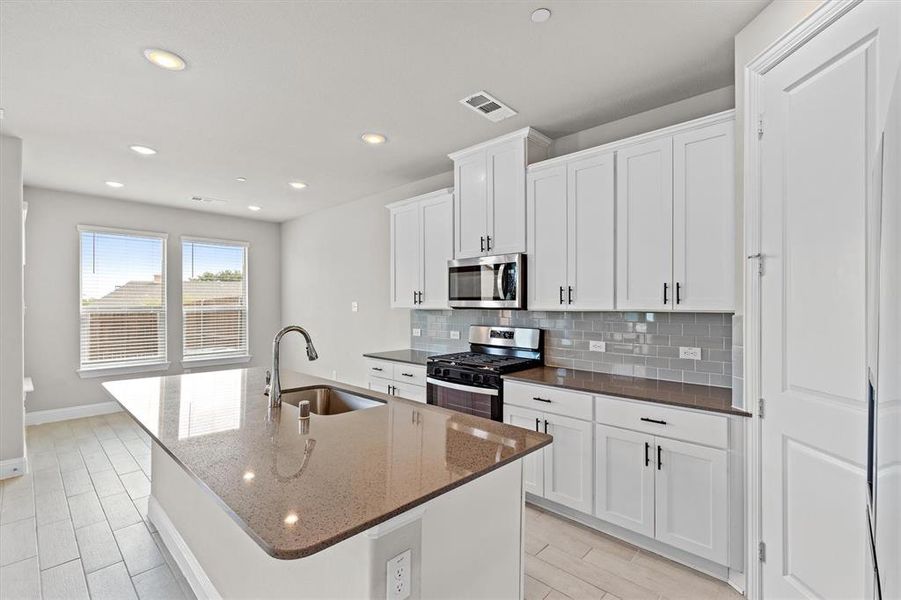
(329, 401)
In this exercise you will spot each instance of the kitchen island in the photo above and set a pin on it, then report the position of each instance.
(254, 502)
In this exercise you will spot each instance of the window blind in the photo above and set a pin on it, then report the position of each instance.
(214, 299)
(123, 298)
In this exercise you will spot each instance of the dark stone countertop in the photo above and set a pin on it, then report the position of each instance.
(413, 357)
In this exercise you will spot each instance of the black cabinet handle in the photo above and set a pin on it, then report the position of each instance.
(482, 243)
(665, 286)
(537, 422)
(489, 243)
(561, 294)
(541, 399)
(647, 456)
(659, 460)
(657, 421)
(414, 296)
(420, 297)
(678, 292)
(407, 374)
(545, 425)
(377, 369)
(570, 294)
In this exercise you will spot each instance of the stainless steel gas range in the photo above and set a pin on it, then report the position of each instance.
(470, 382)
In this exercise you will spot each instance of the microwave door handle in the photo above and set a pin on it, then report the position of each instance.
(500, 282)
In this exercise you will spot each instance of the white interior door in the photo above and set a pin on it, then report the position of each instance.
(591, 261)
(692, 507)
(533, 464)
(624, 478)
(405, 255)
(644, 226)
(821, 109)
(507, 197)
(547, 238)
(437, 218)
(569, 463)
(471, 207)
(704, 218)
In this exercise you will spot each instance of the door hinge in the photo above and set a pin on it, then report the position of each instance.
(761, 552)
(759, 127)
(760, 407)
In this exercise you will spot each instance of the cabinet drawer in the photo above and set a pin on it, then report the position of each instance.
(409, 374)
(691, 426)
(380, 368)
(548, 399)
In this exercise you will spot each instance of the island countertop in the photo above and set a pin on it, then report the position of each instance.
(297, 491)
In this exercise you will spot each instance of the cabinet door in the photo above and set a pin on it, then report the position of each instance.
(410, 392)
(624, 478)
(471, 206)
(380, 385)
(692, 502)
(644, 225)
(437, 243)
(405, 255)
(507, 197)
(591, 262)
(569, 463)
(546, 191)
(704, 218)
(533, 464)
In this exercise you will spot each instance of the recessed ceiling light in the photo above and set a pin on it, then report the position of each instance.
(254, 208)
(240, 179)
(291, 519)
(249, 475)
(115, 184)
(297, 185)
(540, 15)
(373, 138)
(145, 150)
(165, 59)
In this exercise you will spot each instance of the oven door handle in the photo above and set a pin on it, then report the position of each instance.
(461, 387)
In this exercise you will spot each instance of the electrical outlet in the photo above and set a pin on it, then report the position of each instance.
(596, 346)
(398, 576)
(455, 335)
(689, 352)
(417, 332)
(354, 307)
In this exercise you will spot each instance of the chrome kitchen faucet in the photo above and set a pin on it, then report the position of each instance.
(275, 387)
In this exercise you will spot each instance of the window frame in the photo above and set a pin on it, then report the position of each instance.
(217, 359)
(157, 364)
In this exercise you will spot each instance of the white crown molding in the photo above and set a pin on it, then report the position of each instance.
(526, 133)
(415, 199)
(71, 412)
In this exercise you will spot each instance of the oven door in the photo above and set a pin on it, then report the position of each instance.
(478, 401)
(487, 282)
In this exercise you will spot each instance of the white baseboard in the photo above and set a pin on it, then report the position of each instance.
(13, 467)
(71, 412)
(200, 583)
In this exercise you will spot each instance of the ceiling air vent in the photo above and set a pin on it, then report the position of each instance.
(488, 106)
(208, 200)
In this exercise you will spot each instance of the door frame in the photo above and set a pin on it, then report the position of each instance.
(817, 21)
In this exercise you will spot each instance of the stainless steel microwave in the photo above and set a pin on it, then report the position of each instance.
(487, 282)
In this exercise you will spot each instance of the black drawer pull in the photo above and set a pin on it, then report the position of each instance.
(541, 399)
(376, 368)
(658, 421)
(545, 425)
(537, 422)
(647, 457)
(407, 374)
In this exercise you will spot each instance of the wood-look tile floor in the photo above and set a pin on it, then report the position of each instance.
(566, 560)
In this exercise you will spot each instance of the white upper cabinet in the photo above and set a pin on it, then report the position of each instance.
(490, 186)
(421, 245)
(644, 225)
(704, 218)
(571, 234)
(675, 224)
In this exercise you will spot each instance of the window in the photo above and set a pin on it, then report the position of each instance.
(123, 298)
(214, 299)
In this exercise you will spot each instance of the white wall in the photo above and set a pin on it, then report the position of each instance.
(336, 256)
(12, 445)
(52, 284)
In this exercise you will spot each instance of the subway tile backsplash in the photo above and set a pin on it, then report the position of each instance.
(639, 344)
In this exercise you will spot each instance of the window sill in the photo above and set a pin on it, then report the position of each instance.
(215, 361)
(90, 373)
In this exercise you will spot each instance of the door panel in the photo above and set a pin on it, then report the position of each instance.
(507, 197)
(437, 218)
(591, 262)
(692, 499)
(569, 463)
(704, 218)
(471, 222)
(405, 255)
(533, 464)
(547, 238)
(624, 479)
(644, 219)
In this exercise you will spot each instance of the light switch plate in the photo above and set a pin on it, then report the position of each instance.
(398, 574)
(455, 335)
(417, 332)
(596, 346)
(689, 352)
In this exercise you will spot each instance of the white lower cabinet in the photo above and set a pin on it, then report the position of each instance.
(624, 478)
(533, 464)
(397, 379)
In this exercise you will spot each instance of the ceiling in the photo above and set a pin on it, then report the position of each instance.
(282, 91)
